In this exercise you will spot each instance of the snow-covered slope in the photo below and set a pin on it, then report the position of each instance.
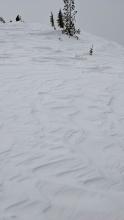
(61, 126)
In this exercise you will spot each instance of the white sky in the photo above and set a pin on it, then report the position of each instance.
(101, 17)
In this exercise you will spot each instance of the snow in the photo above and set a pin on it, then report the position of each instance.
(61, 126)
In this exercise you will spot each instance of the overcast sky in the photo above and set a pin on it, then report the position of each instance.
(101, 17)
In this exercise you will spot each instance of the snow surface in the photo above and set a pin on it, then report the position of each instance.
(61, 126)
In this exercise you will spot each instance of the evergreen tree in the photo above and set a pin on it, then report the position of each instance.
(18, 18)
(52, 21)
(91, 51)
(60, 19)
(69, 18)
(2, 20)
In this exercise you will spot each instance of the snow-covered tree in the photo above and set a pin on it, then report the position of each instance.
(60, 20)
(69, 18)
(52, 21)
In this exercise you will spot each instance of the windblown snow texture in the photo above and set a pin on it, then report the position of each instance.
(61, 126)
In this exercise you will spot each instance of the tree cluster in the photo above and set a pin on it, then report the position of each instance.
(66, 19)
(17, 19)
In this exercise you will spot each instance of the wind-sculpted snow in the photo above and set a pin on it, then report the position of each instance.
(61, 126)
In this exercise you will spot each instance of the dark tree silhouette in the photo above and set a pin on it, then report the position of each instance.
(18, 18)
(2, 20)
(91, 51)
(52, 21)
(69, 18)
(60, 20)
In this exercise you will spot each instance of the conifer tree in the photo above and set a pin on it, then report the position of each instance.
(91, 51)
(60, 19)
(52, 21)
(18, 18)
(69, 18)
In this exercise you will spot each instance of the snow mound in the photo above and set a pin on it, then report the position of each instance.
(61, 126)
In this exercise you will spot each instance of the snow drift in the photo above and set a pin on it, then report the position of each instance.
(61, 126)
